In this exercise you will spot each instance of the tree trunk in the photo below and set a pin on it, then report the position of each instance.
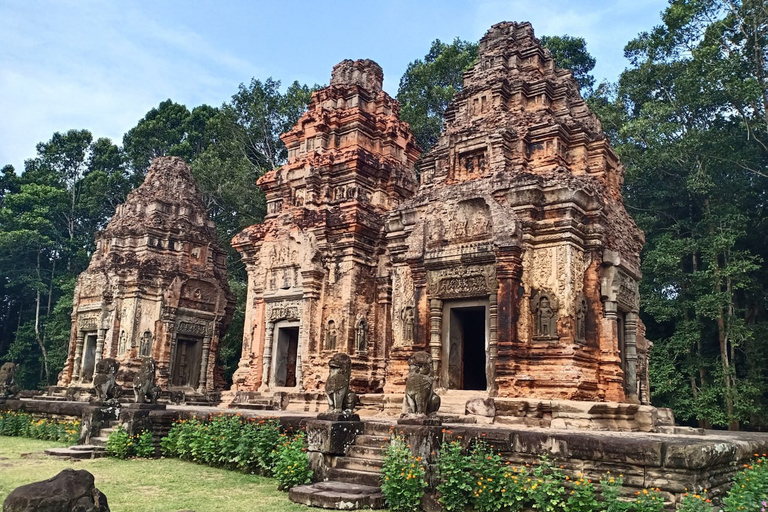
(38, 336)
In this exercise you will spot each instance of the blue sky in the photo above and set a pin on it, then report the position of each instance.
(102, 65)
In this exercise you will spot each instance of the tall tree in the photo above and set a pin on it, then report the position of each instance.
(571, 53)
(695, 101)
(429, 85)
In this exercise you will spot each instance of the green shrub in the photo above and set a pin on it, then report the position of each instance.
(120, 444)
(455, 477)
(403, 477)
(487, 470)
(20, 424)
(546, 486)
(610, 490)
(750, 487)
(648, 500)
(582, 496)
(292, 465)
(145, 445)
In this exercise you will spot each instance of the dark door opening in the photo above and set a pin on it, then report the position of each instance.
(89, 357)
(466, 355)
(186, 367)
(287, 350)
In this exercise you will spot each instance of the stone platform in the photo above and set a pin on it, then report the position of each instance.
(338, 495)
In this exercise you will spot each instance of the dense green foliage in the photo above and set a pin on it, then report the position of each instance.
(690, 114)
(21, 424)
(234, 442)
(402, 477)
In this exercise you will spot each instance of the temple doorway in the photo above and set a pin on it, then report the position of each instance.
(89, 357)
(286, 352)
(186, 364)
(466, 339)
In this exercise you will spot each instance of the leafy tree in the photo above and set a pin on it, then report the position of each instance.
(259, 113)
(160, 132)
(429, 85)
(571, 53)
(695, 104)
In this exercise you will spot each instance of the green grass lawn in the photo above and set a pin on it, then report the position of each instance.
(141, 485)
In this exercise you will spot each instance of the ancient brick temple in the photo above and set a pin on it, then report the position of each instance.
(317, 266)
(514, 263)
(156, 286)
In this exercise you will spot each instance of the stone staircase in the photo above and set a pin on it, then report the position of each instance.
(355, 480)
(95, 450)
(254, 400)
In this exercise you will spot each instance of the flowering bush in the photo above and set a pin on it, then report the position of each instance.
(292, 465)
(750, 487)
(453, 471)
(145, 445)
(245, 444)
(22, 424)
(120, 444)
(403, 477)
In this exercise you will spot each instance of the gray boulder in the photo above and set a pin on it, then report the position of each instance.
(69, 491)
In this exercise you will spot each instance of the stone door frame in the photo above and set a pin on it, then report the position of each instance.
(273, 330)
(444, 354)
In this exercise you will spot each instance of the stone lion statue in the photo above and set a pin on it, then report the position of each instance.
(340, 398)
(8, 387)
(144, 388)
(420, 397)
(104, 379)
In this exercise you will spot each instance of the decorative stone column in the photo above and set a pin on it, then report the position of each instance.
(102, 333)
(204, 364)
(435, 341)
(78, 363)
(630, 354)
(493, 347)
(509, 270)
(266, 373)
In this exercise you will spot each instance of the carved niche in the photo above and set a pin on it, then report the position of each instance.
(145, 344)
(544, 309)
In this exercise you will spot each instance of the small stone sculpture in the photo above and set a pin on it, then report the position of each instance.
(104, 379)
(340, 399)
(8, 387)
(420, 397)
(144, 388)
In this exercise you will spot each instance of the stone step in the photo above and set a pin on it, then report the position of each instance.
(256, 406)
(373, 441)
(379, 429)
(355, 477)
(99, 441)
(70, 453)
(366, 452)
(338, 496)
(87, 447)
(457, 418)
(355, 464)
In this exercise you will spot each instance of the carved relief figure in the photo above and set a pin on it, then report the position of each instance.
(408, 324)
(330, 336)
(144, 388)
(420, 397)
(361, 335)
(544, 308)
(581, 321)
(145, 345)
(104, 379)
(340, 398)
